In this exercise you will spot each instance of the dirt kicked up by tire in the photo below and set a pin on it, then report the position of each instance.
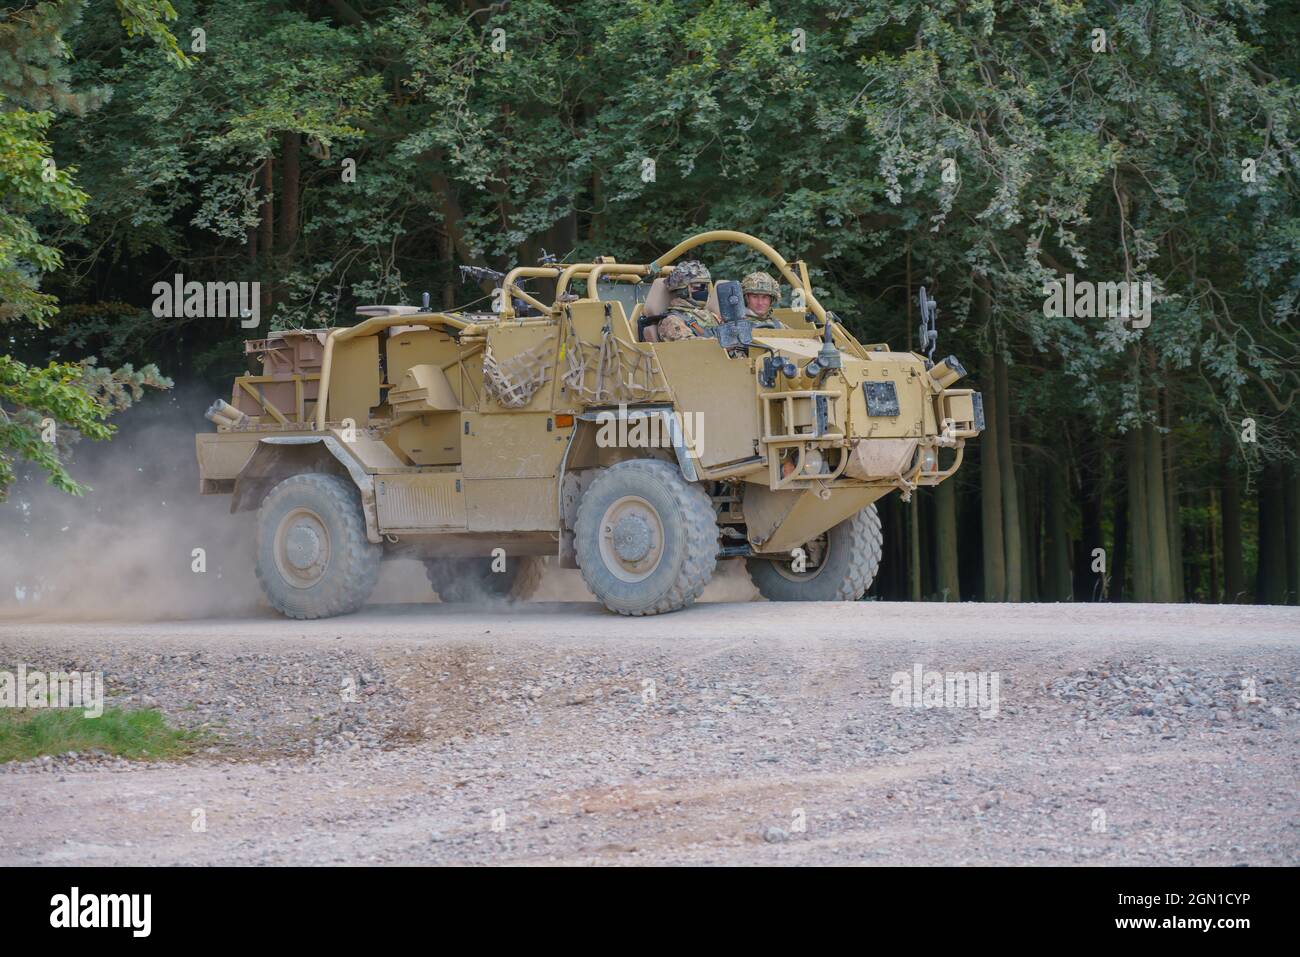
(475, 580)
(313, 558)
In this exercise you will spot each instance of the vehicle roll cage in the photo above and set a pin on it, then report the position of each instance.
(796, 274)
(593, 271)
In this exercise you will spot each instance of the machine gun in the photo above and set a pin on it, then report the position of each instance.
(481, 274)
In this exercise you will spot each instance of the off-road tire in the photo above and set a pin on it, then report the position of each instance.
(673, 512)
(346, 565)
(473, 580)
(854, 547)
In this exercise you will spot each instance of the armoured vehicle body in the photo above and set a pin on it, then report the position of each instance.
(482, 443)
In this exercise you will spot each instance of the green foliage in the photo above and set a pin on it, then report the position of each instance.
(149, 19)
(43, 408)
(29, 182)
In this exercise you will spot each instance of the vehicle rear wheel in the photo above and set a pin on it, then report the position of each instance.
(313, 558)
(840, 564)
(473, 580)
(646, 539)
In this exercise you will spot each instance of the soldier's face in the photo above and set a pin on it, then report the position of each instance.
(758, 302)
(699, 291)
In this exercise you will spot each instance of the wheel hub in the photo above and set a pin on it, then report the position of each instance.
(815, 555)
(631, 538)
(302, 548)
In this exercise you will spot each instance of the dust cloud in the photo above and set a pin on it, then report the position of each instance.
(126, 549)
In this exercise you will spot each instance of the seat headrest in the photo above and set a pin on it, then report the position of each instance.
(657, 299)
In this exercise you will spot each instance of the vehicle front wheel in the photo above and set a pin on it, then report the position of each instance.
(313, 558)
(838, 565)
(646, 539)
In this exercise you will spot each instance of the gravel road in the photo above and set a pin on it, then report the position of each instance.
(730, 733)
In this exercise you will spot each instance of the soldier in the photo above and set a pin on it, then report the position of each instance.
(688, 313)
(762, 292)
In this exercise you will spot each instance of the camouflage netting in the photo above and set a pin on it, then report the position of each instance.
(514, 382)
(621, 372)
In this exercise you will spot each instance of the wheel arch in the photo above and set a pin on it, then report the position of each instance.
(279, 456)
(676, 450)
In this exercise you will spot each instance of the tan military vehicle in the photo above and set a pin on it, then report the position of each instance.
(557, 425)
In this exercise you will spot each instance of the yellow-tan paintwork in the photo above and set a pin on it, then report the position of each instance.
(448, 457)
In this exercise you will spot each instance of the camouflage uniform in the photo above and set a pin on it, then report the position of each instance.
(686, 317)
(761, 282)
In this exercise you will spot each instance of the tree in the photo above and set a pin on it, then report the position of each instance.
(35, 401)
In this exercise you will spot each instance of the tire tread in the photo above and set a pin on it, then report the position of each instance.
(699, 523)
(362, 555)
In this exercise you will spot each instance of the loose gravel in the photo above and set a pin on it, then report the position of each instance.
(725, 734)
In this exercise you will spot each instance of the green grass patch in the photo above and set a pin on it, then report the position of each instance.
(31, 732)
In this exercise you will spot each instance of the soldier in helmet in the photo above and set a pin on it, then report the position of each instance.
(762, 292)
(688, 313)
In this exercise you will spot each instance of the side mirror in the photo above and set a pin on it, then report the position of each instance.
(736, 333)
(731, 300)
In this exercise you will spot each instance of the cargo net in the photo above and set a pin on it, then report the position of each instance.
(619, 373)
(514, 382)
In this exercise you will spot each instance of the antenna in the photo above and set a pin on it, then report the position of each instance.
(929, 332)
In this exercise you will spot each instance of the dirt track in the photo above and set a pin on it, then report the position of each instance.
(729, 733)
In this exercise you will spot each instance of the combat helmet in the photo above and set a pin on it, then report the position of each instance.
(763, 284)
(687, 274)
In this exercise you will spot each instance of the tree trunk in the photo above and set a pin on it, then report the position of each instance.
(1234, 564)
(1193, 550)
(945, 535)
(1292, 504)
(1173, 511)
(1056, 585)
(290, 185)
(1271, 572)
(898, 511)
(453, 219)
(1030, 532)
(451, 282)
(1212, 533)
(914, 547)
(1138, 523)
(995, 559)
(1085, 584)
(1119, 589)
(596, 228)
(266, 241)
(928, 571)
(1162, 587)
(1011, 534)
